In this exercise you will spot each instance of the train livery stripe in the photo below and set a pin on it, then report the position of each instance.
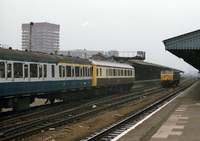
(74, 64)
(17, 88)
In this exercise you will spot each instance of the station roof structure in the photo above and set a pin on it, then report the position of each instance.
(138, 62)
(186, 46)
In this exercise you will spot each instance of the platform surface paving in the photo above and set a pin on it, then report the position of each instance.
(178, 121)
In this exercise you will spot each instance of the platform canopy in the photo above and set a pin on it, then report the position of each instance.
(186, 46)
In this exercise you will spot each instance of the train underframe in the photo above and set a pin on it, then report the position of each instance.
(23, 102)
(170, 83)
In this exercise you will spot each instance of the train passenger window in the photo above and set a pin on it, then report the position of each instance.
(60, 71)
(40, 71)
(45, 70)
(68, 69)
(164, 72)
(2, 70)
(77, 71)
(63, 71)
(118, 72)
(85, 73)
(33, 70)
(81, 71)
(110, 72)
(25, 70)
(18, 72)
(9, 70)
(100, 71)
(73, 72)
(52, 70)
(91, 71)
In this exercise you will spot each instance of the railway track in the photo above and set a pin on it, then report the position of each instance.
(40, 111)
(47, 120)
(38, 121)
(113, 130)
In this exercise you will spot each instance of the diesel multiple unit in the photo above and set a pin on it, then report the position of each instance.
(26, 75)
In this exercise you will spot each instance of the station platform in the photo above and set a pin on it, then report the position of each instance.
(177, 121)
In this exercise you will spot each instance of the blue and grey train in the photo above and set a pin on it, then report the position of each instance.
(25, 76)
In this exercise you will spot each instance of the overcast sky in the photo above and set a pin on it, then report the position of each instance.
(123, 25)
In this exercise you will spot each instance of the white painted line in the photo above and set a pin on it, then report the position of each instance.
(178, 127)
(183, 117)
(177, 133)
(133, 127)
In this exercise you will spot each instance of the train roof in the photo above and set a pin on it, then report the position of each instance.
(18, 55)
(111, 64)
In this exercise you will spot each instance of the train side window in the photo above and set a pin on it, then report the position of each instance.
(25, 70)
(88, 72)
(18, 71)
(77, 71)
(114, 72)
(52, 70)
(45, 70)
(97, 72)
(68, 68)
(2, 70)
(110, 72)
(100, 71)
(72, 71)
(60, 71)
(64, 72)
(9, 70)
(91, 71)
(81, 71)
(40, 71)
(85, 72)
(33, 70)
